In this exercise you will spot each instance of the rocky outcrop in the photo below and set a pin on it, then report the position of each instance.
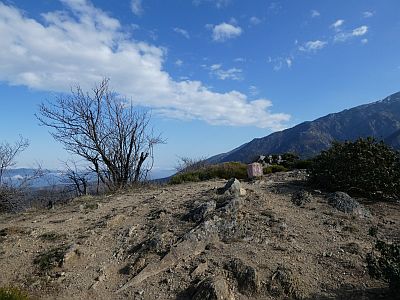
(232, 188)
(245, 275)
(222, 225)
(344, 203)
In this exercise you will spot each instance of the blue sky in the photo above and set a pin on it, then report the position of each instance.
(216, 73)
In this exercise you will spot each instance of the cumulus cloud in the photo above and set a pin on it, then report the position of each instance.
(315, 13)
(357, 32)
(225, 31)
(136, 7)
(82, 44)
(182, 32)
(313, 46)
(232, 73)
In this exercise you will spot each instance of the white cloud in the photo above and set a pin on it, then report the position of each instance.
(253, 90)
(225, 31)
(254, 21)
(313, 46)
(136, 6)
(315, 13)
(289, 62)
(368, 14)
(239, 59)
(232, 73)
(336, 26)
(364, 41)
(357, 32)
(87, 45)
(280, 62)
(217, 3)
(182, 32)
(360, 31)
(179, 62)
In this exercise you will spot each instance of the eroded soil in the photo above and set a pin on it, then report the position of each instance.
(150, 244)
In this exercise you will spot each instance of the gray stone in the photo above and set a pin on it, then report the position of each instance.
(199, 270)
(344, 203)
(300, 198)
(245, 275)
(213, 288)
(200, 212)
(233, 188)
(72, 253)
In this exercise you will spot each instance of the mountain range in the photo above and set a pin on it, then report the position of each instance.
(379, 119)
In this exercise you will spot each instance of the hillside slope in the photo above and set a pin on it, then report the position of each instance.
(380, 119)
(153, 244)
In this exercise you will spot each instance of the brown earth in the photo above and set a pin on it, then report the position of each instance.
(150, 243)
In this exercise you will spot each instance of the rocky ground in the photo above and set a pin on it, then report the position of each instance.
(272, 238)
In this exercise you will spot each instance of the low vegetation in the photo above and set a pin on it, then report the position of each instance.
(12, 293)
(51, 258)
(222, 171)
(274, 169)
(385, 263)
(364, 167)
(51, 236)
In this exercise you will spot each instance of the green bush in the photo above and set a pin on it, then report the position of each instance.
(364, 168)
(50, 258)
(223, 171)
(386, 264)
(12, 293)
(274, 169)
(302, 164)
(289, 160)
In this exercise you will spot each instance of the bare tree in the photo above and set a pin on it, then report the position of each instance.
(13, 191)
(105, 130)
(8, 153)
(76, 176)
(188, 164)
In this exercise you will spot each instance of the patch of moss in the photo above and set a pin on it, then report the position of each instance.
(13, 293)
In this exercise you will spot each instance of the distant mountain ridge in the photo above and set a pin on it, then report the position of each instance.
(379, 119)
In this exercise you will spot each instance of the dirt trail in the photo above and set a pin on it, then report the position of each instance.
(145, 244)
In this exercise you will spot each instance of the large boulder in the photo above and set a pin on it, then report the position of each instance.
(343, 202)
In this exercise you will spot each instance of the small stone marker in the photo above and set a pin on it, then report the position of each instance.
(254, 170)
